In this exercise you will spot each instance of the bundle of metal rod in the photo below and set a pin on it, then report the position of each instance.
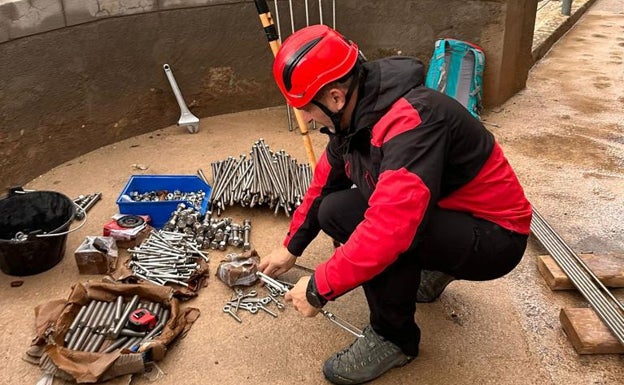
(166, 257)
(271, 178)
(99, 321)
(86, 202)
(608, 308)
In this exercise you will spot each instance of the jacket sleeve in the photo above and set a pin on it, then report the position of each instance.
(329, 176)
(408, 183)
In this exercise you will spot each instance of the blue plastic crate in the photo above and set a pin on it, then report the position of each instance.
(160, 211)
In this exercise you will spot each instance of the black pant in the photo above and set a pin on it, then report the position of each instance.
(453, 242)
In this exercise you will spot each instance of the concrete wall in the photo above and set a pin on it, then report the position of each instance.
(79, 74)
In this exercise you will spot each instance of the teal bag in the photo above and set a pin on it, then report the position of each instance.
(456, 69)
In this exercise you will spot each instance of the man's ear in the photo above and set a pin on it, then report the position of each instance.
(337, 97)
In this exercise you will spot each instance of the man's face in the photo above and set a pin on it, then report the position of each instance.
(310, 112)
(334, 100)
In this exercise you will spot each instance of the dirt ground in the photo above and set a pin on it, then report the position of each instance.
(564, 136)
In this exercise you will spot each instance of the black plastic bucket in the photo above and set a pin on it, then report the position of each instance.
(41, 220)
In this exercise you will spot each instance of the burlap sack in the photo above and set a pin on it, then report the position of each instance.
(53, 319)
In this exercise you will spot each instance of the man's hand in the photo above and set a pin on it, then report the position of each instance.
(297, 295)
(277, 263)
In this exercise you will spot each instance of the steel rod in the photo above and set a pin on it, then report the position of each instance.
(581, 276)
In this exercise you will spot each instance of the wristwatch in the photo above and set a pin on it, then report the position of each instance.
(312, 295)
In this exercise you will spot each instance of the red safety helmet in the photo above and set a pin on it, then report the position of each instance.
(309, 59)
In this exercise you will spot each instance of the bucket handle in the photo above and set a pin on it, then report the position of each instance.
(21, 236)
(53, 234)
(19, 190)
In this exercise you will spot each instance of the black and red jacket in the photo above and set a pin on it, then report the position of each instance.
(408, 148)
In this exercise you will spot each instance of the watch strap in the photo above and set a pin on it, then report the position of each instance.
(313, 296)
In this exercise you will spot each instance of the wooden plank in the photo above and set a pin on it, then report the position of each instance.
(587, 333)
(609, 268)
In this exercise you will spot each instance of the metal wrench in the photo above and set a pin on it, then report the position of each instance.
(330, 316)
(343, 324)
(186, 117)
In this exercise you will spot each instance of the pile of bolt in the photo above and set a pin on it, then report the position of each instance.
(86, 202)
(100, 321)
(210, 232)
(194, 197)
(166, 257)
(249, 302)
(272, 178)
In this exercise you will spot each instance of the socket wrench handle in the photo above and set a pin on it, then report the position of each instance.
(186, 117)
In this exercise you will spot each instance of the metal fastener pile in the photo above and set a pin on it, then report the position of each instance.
(210, 232)
(166, 257)
(195, 198)
(249, 301)
(86, 202)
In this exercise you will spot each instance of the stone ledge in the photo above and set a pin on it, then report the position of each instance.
(28, 17)
(19, 18)
(84, 11)
(551, 24)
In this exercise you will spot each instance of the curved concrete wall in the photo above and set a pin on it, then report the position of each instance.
(79, 74)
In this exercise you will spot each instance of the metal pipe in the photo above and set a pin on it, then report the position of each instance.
(130, 343)
(108, 312)
(119, 342)
(98, 343)
(124, 317)
(108, 321)
(79, 316)
(595, 298)
(118, 309)
(569, 263)
(579, 260)
(162, 321)
(566, 7)
(307, 14)
(556, 243)
(292, 16)
(81, 339)
(87, 314)
(131, 333)
(96, 313)
(74, 338)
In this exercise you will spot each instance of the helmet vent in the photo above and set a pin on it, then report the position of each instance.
(294, 60)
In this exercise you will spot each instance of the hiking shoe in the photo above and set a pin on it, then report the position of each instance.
(365, 359)
(432, 284)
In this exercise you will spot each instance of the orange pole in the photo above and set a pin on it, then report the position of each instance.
(272, 36)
